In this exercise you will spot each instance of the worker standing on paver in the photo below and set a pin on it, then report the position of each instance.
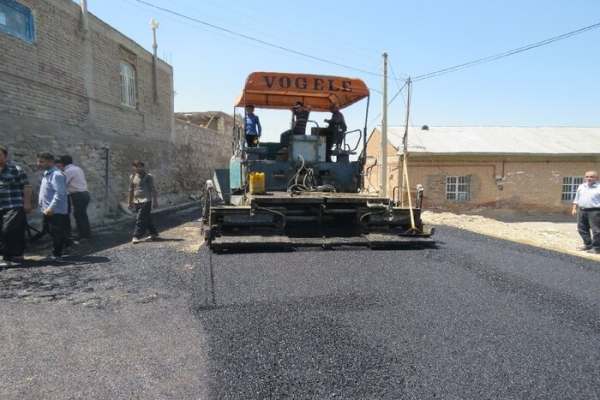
(300, 115)
(252, 127)
(586, 206)
(142, 198)
(335, 131)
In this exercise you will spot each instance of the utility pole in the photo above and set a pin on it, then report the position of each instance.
(154, 25)
(384, 140)
(405, 180)
(405, 144)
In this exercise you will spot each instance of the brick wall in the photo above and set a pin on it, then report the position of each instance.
(62, 93)
(527, 183)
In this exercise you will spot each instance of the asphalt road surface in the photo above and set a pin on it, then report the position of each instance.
(475, 318)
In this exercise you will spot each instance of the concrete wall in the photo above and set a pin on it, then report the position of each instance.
(62, 93)
(526, 183)
(374, 167)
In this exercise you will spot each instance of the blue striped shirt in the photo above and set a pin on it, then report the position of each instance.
(252, 125)
(53, 192)
(12, 181)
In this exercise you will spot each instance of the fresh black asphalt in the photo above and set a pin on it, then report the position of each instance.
(474, 318)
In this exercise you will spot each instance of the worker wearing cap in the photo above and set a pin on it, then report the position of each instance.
(586, 206)
(252, 127)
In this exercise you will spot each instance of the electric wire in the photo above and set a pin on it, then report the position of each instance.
(504, 54)
(257, 40)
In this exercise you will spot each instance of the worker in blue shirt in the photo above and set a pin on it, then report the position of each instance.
(252, 127)
(53, 202)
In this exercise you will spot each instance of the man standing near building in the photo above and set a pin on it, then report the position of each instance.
(15, 201)
(53, 203)
(142, 198)
(79, 197)
(586, 206)
(252, 127)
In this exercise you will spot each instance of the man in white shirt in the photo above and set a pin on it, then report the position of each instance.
(586, 206)
(79, 197)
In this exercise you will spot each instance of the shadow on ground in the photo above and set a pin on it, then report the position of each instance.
(111, 236)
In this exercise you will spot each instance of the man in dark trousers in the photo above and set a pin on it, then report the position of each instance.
(53, 203)
(300, 118)
(15, 202)
(79, 197)
(586, 206)
(252, 127)
(335, 131)
(142, 198)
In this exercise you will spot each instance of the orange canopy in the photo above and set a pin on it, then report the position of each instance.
(281, 91)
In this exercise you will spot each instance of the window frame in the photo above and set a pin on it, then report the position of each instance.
(26, 12)
(128, 80)
(454, 183)
(569, 196)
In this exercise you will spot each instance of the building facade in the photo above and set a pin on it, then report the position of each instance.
(461, 168)
(72, 84)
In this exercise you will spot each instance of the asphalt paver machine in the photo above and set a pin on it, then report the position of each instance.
(298, 192)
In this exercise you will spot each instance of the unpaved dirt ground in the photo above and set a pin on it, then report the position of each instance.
(552, 232)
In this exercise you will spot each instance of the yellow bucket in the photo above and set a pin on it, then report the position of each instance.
(256, 181)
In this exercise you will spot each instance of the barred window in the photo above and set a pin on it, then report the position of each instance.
(128, 87)
(16, 20)
(458, 188)
(569, 187)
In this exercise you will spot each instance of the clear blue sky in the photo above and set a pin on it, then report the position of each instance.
(554, 85)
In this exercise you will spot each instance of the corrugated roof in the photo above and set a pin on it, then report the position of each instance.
(498, 140)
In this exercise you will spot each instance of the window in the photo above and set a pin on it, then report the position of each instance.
(569, 187)
(16, 20)
(458, 188)
(128, 92)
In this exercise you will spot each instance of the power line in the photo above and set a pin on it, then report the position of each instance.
(257, 40)
(396, 77)
(507, 53)
(400, 89)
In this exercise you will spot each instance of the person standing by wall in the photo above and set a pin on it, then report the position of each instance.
(15, 202)
(142, 198)
(53, 203)
(79, 197)
(586, 206)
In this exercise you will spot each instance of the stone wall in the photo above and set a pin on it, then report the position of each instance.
(62, 93)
